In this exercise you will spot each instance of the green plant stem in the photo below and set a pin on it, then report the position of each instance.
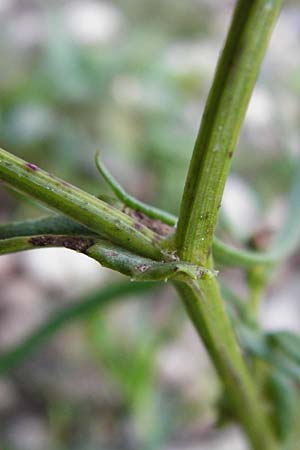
(228, 255)
(286, 241)
(54, 224)
(223, 116)
(223, 253)
(129, 200)
(79, 205)
(257, 280)
(76, 311)
(204, 305)
(224, 112)
(21, 243)
(145, 269)
(111, 256)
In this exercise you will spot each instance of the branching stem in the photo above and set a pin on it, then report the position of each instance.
(109, 255)
(129, 200)
(86, 209)
(223, 116)
(123, 243)
(222, 119)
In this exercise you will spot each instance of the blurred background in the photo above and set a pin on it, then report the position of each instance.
(130, 77)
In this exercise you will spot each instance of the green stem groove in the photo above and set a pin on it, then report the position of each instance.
(79, 205)
(205, 308)
(226, 106)
(225, 109)
(111, 256)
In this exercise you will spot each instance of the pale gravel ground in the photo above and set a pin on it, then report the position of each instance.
(26, 300)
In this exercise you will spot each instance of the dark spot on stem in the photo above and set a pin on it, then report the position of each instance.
(138, 226)
(79, 244)
(142, 267)
(142, 220)
(156, 239)
(230, 154)
(31, 166)
(111, 253)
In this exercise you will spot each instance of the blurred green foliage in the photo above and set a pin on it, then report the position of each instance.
(138, 97)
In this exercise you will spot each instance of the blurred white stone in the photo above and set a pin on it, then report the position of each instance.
(293, 144)
(192, 113)
(181, 362)
(8, 395)
(192, 57)
(275, 214)
(176, 365)
(127, 90)
(92, 22)
(4, 6)
(6, 265)
(28, 433)
(22, 303)
(229, 439)
(284, 45)
(281, 309)
(240, 206)
(131, 91)
(261, 108)
(62, 268)
(32, 121)
(25, 30)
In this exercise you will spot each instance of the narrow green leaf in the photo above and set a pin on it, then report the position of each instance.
(76, 311)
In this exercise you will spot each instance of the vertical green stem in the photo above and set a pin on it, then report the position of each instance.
(234, 80)
(226, 106)
(204, 306)
(228, 99)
